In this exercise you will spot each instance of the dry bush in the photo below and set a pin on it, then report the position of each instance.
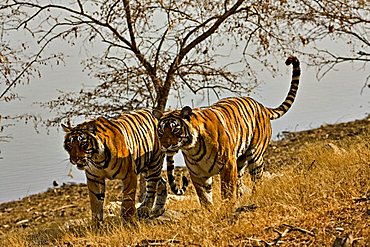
(313, 197)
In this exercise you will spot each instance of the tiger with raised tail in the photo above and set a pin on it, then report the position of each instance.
(226, 138)
(119, 148)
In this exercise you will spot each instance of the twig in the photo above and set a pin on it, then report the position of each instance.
(158, 242)
(278, 240)
(361, 199)
(281, 235)
(295, 228)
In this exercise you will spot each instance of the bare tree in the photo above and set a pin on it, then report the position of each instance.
(343, 22)
(155, 46)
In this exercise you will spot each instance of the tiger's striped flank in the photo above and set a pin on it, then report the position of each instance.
(119, 148)
(226, 138)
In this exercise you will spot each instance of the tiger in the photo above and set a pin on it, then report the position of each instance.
(119, 148)
(225, 138)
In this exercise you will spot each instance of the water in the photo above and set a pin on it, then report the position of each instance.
(31, 162)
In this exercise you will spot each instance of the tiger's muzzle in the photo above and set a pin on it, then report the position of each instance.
(172, 149)
(79, 163)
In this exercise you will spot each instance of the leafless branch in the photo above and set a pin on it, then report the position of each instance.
(146, 56)
(278, 240)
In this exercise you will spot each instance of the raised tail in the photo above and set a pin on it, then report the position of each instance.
(171, 178)
(275, 113)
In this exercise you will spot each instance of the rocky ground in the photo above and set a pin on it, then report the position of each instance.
(61, 203)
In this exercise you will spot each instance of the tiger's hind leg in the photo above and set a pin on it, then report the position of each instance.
(229, 180)
(242, 164)
(256, 168)
(128, 197)
(160, 199)
(145, 208)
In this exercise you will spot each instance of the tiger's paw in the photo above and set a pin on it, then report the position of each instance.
(157, 212)
(143, 212)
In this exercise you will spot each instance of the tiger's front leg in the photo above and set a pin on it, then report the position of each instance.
(203, 187)
(96, 186)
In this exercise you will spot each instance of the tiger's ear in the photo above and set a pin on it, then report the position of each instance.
(157, 114)
(66, 128)
(91, 127)
(186, 112)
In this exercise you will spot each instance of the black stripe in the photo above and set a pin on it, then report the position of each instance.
(202, 151)
(95, 181)
(214, 163)
(154, 176)
(290, 98)
(92, 175)
(225, 110)
(286, 105)
(187, 161)
(107, 155)
(296, 72)
(99, 196)
(118, 170)
(294, 86)
(205, 115)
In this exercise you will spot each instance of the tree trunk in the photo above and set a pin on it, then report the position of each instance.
(162, 99)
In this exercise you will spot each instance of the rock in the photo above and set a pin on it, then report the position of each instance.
(337, 150)
(23, 223)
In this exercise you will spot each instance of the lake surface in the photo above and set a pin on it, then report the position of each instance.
(31, 162)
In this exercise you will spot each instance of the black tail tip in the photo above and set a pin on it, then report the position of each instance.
(292, 60)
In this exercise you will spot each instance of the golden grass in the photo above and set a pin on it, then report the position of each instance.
(314, 194)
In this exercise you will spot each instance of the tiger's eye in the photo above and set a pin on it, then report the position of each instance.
(177, 131)
(84, 145)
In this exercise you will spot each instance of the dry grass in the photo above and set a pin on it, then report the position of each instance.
(316, 194)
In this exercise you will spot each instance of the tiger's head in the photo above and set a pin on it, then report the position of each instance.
(84, 148)
(175, 130)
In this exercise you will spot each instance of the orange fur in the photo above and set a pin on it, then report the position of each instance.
(119, 148)
(225, 138)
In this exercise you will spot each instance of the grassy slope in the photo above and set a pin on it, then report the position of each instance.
(319, 188)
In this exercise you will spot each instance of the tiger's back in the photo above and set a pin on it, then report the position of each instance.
(132, 139)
